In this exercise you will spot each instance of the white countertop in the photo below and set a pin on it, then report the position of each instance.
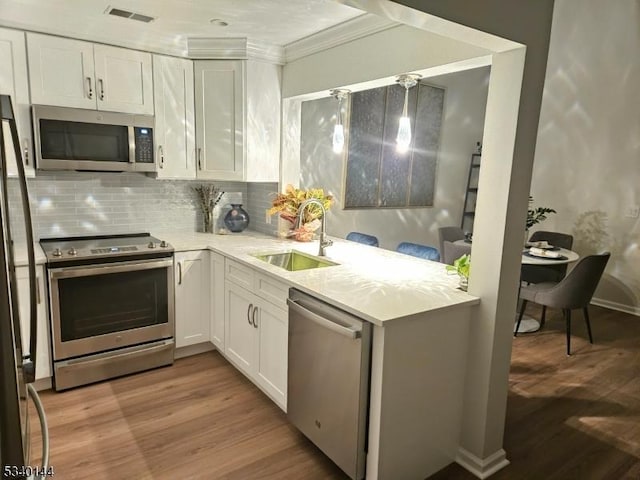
(375, 284)
(20, 252)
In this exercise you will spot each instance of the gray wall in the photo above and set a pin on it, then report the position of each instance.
(586, 163)
(462, 126)
(75, 203)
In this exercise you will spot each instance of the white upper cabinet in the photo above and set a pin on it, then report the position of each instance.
(73, 73)
(237, 120)
(124, 80)
(175, 120)
(219, 123)
(14, 82)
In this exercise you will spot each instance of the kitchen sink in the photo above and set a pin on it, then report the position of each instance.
(293, 260)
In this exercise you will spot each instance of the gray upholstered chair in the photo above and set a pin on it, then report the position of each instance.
(449, 234)
(421, 251)
(547, 273)
(572, 292)
(363, 238)
(452, 251)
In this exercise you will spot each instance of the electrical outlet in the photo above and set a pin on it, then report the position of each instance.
(633, 211)
(267, 217)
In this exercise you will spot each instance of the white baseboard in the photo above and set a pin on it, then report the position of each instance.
(621, 307)
(482, 467)
(193, 350)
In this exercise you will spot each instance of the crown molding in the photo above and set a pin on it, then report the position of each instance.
(265, 52)
(227, 48)
(234, 49)
(344, 32)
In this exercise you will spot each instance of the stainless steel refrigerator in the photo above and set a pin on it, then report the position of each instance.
(17, 366)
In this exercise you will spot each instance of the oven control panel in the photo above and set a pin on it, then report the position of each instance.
(59, 250)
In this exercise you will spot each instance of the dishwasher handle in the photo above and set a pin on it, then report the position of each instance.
(353, 332)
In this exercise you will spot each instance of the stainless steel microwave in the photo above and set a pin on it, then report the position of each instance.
(77, 139)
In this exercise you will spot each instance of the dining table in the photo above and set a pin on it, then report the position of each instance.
(549, 255)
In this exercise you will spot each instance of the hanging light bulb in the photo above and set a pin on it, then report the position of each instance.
(403, 139)
(338, 129)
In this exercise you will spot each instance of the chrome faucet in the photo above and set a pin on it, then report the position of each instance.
(324, 241)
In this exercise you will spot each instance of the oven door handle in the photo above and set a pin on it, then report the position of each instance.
(103, 269)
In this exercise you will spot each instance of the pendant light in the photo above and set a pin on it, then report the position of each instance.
(403, 139)
(338, 129)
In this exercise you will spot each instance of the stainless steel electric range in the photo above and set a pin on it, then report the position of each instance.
(111, 306)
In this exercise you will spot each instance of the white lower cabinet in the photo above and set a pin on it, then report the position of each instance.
(273, 334)
(256, 334)
(192, 297)
(217, 300)
(43, 357)
(240, 333)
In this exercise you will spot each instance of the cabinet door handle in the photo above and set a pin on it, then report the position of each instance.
(199, 158)
(253, 318)
(179, 273)
(90, 89)
(249, 313)
(161, 154)
(26, 151)
(38, 299)
(101, 84)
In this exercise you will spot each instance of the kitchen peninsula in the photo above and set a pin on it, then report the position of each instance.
(419, 351)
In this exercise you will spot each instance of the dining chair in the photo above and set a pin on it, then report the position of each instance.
(449, 234)
(452, 251)
(363, 238)
(420, 251)
(572, 292)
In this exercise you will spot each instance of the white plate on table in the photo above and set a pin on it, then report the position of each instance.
(548, 257)
(543, 245)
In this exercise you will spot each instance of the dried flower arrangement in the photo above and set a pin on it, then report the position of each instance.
(288, 203)
(208, 196)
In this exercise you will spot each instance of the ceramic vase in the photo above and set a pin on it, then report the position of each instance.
(236, 219)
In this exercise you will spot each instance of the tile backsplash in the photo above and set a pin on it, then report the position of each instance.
(84, 203)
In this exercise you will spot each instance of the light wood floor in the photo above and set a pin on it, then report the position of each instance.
(567, 418)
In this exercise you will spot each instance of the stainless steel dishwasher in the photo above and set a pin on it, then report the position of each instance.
(328, 379)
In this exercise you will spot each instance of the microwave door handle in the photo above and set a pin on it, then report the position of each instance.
(132, 144)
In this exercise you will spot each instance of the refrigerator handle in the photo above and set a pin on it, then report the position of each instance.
(44, 429)
(29, 365)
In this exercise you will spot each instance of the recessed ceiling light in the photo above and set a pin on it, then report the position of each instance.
(216, 22)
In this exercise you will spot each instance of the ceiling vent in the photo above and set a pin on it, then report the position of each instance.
(130, 15)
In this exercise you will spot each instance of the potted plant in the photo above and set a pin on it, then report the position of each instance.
(287, 205)
(462, 267)
(537, 215)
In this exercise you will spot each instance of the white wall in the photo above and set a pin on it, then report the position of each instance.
(462, 126)
(384, 54)
(588, 149)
